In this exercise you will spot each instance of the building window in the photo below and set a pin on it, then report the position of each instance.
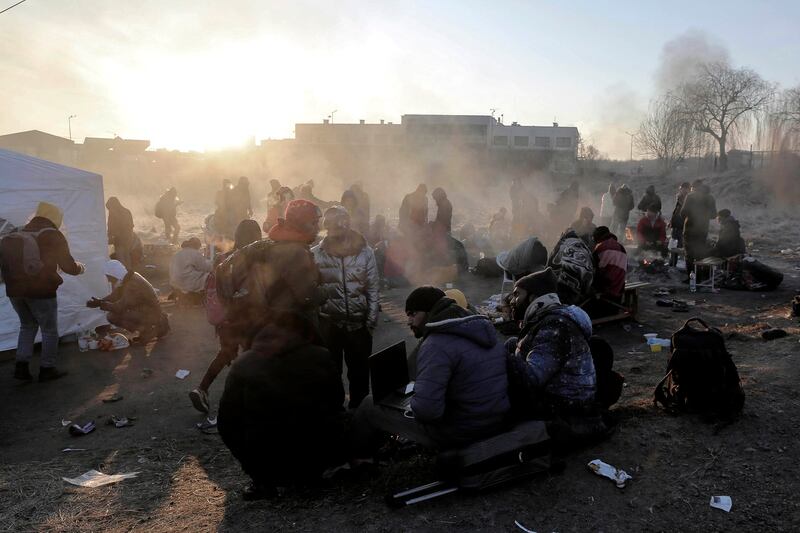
(520, 140)
(501, 140)
(542, 142)
(563, 142)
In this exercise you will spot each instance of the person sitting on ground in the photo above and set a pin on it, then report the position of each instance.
(528, 256)
(551, 371)
(584, 226)
(120, 231)
(189, 268)
(33, 296)
(238, 326)
(611, 267)
(132, 304)
(281, 412)
(729, 242)
(350, 281)
(650, 200)
(461, 385)
(651, 232)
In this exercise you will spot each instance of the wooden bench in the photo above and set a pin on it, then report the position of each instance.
(629, 307)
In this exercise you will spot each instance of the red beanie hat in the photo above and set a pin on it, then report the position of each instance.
(301, 212)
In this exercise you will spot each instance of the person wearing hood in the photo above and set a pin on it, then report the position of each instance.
(120, 231)
(461, 382)
(697, 211)
(132, 304)
(550, 364)
(623, 204)
(281, 411)
(350, 283)
(729, 242)
(650, 199)
(189, 268)
(528, 256)
(443, 223)
(607, 205)
(33, 296)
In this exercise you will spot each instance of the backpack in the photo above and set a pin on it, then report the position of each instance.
(231, 287)
(701, 376)
(609, 382)
(747, 274)
(21, 254)
(573, 265)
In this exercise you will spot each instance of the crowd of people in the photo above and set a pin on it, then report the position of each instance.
(291, 310)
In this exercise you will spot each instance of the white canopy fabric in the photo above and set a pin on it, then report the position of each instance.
(24, 182)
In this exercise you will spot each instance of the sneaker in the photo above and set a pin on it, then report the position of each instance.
(199, 400)
(22, 371)
(50, 373)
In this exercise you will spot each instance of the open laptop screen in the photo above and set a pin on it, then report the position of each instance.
(388, 369)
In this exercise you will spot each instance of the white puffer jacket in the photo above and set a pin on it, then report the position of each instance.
(350, 281)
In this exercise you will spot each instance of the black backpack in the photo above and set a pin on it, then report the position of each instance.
(701, 376)
(237, 284)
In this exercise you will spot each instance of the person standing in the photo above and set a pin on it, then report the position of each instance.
(223, 215)
(443, 223)
(32, 292)
(167, 210)
(607, 205)
(623, 204)
(697, 211)
(650, 199)
(120, 231)
(241, 200)
(363, 208)
(277, 206)
(350, 282)
(414, 211)
(676, 221)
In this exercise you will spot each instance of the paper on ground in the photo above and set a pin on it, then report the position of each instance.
(722, 502)
(180, 374)
(523, 528)
(606, 470)
(93, 478)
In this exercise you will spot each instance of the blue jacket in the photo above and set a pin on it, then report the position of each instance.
(461, 386)
(553, 361)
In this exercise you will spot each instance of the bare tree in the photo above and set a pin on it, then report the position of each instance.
(721, 98)
(666, 134)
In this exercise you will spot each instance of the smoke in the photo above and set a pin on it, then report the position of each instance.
(619, 109)
(683, 55)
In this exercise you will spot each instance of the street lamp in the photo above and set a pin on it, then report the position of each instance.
(632, 135)
(69, 124)
(330, 117)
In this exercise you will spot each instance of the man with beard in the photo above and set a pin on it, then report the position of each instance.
(461, 385)
(551, 370)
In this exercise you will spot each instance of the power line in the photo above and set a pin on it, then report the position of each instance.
(9, 7)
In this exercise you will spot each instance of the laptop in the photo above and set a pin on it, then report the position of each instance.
(388, 370)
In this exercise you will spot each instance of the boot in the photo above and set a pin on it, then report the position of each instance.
(50, 373)
(22, 371)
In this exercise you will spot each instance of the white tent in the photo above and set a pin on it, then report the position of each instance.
(24, 182)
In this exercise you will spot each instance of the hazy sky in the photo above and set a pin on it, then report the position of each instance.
(194, 74)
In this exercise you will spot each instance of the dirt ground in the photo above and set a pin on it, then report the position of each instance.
(188, 480)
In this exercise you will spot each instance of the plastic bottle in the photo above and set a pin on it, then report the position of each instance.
(692, 282)
(83, 343)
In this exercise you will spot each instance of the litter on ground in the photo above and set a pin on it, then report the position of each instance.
(93, 478)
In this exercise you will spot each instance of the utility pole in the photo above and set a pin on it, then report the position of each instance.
(632, 135)
(69, 125)
(330, 117)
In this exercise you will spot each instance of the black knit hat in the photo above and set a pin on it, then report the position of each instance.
(539, 283)
(423, 298)
(601, 233)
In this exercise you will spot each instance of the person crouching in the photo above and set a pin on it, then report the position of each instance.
(281, 412)
(132, 304)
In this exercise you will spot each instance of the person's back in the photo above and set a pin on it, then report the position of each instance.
(54, 254)
(698, 210)
(189, 269)
(462, 385)
(611, 264)
(135, 293)
(281, 411)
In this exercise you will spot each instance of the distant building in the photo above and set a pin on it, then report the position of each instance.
(42, 145)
